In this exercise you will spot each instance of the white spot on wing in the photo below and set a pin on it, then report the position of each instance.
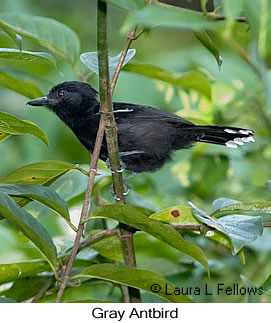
(230, 131)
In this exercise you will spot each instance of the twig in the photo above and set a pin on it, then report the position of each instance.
(43, 289)
(208, 14)
(84, 213)
(110, 232)
(107, 116)
(123, 290)
(130, 37)
(126, 232)
(92, 174)
(219, 18)
(96, 237)
(106, 109)
(192, 227)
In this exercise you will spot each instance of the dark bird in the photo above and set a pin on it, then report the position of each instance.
(147, 136)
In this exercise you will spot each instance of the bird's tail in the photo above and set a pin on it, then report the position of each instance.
(227, 136)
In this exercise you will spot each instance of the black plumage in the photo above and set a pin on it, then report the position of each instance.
(150, 133)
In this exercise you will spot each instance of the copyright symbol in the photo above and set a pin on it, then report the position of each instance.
(155, 288)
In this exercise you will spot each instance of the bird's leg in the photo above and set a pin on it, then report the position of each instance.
(126, 186)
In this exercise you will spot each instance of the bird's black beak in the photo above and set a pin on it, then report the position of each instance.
(43, 101)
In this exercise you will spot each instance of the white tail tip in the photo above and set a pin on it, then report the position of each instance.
(231, 144)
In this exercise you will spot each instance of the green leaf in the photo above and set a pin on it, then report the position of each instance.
(268, 184)
(29, 226)
(71, 185)
(10, 272)
(3, 136)
(203, 6)
(127, 4)
(25, 288)
(138, 278)
(253, 14)
(259, 16)
(264, 72)
(90, 59)
(241, 229)
(232, 8)
(223, 202)
(131, 216)
(266, 285)
(19, 83)
(36, 57)
(191, 80)
(244, 208)
(17, 38)
(12, 125)
(109, 247)
(56, 37)
(36, 192)
(183, 215)
(218, 6)
(86, 292)
(169, 16)
(176, 215)
(44, 173)
(7, 300)
(253, 292)
(206, 41)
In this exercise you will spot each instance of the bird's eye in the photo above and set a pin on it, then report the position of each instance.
(61, 93)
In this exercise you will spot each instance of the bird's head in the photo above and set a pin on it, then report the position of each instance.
(68, 98)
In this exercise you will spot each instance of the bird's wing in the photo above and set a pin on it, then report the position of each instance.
(140, 113)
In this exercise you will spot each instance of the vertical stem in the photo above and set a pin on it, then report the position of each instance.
(84, 213)
(130, 37)
(107, 117)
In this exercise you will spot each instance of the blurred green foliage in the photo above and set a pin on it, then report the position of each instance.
(240, 97)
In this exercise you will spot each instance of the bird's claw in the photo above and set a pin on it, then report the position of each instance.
(123, 167)
(121, 170)
(122, 154)
(127, 191)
